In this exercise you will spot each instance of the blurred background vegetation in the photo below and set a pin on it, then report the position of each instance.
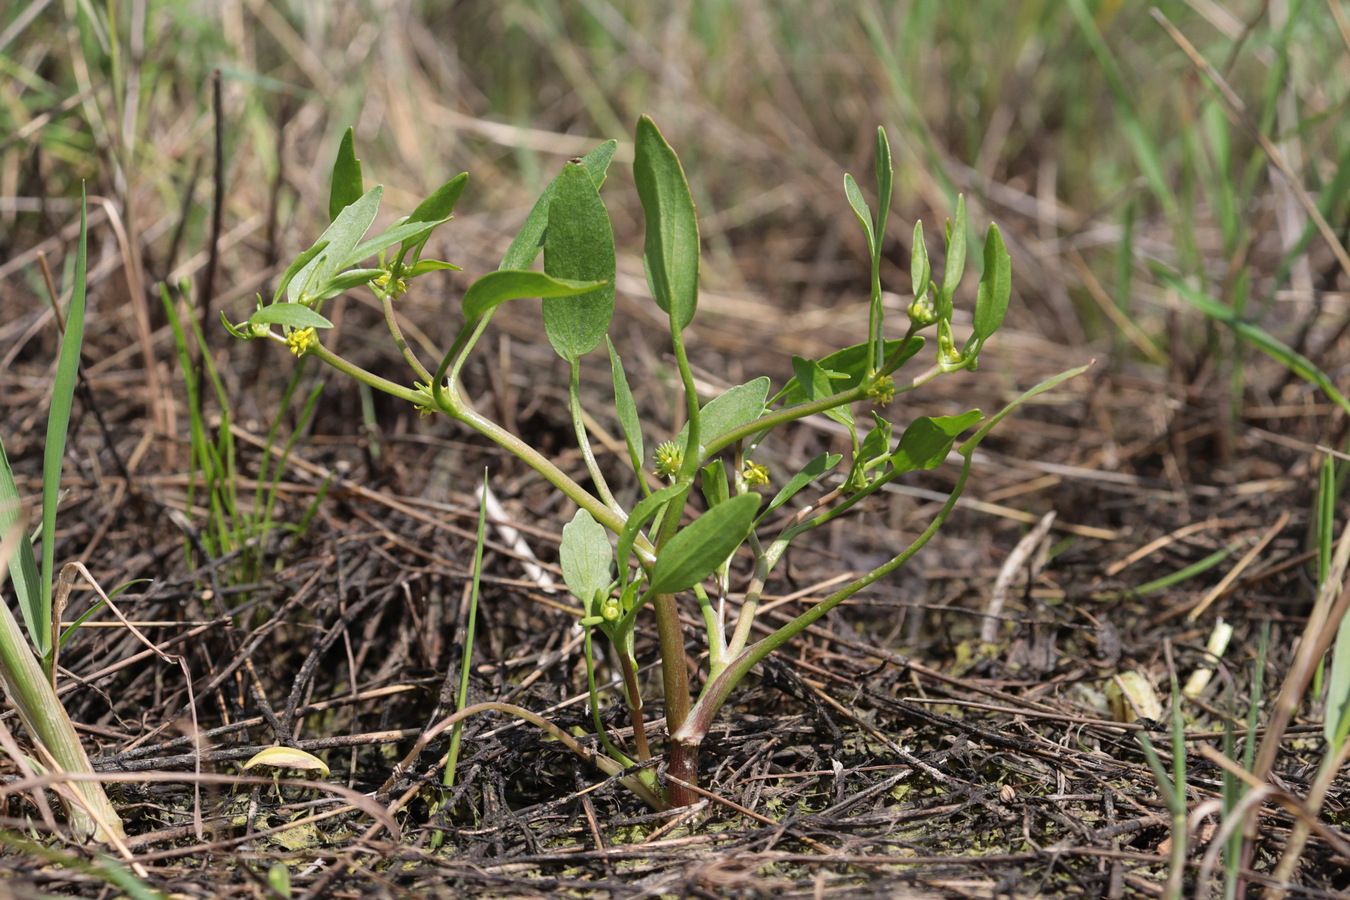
(1084, 128)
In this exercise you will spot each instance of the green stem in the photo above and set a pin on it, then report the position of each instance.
(391, 320)
(583, 440)
(716, 691)
(772, 420)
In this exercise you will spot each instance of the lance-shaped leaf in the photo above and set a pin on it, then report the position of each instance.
(704, 544)
(292, 315)
(954, 265)
(342, 236)
(296, 267)
(347, 186)
(627, 410)
(495, 288)
(670, 252)
(861, 210)
(435, 209)
(530, 239)
(579, 246)
(920, 270)
(991, 299)
(586, 559)
(928, 440)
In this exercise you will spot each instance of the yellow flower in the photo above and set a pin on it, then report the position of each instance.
(300, 340)
(883, 391)
(755, 473)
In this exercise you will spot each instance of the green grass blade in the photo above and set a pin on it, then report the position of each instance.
(23, 567)
(58, 421)
(465, 660)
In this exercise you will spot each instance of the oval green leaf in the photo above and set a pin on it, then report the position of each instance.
(579, 246)
(586, 558)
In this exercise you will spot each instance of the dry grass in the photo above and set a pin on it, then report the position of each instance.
(891, 752)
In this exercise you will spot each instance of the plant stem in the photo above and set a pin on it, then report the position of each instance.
(33, 697)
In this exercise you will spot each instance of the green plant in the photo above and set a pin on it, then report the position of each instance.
(233, 524)
(620, 561)
(28, 673)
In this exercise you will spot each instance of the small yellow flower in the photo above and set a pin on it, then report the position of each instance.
(300, 340)
(669, 458)
(391, 287)
(755, 473)
(883, 391)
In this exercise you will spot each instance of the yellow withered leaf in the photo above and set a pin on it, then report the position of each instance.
(288, 758)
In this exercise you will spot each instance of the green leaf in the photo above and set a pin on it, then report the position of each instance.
(54, 451)
(734, 407)
(991, 300)
(405, 232)
(435, 209)
(954, 264)
(347, 186)
(878, 440)
(342, 236)
(813, 470)
(495, 288)
(714, 483)
(586, 559)
(343, 282)
(670, 252)
(627, 410)
(885, 178)
(578, 246)
(815, 383)
(423, 266)
(700, 547)
(647, 509)
(530, 239)
(441, 203)
(861, 210)
(928, 440)
(920, 271)
(296, 266)
(847, 368)
(23, 568)
(292, 315)
(988, 425)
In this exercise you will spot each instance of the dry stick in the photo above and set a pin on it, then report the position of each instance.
(1238, 569)
(1012, 567)
(64, 583)
(11, 748)
(1318, 635)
